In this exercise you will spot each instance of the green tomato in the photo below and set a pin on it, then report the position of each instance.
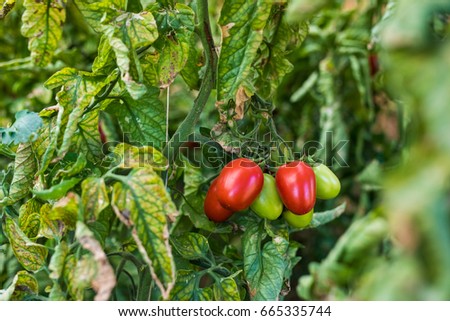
(268, 203)
(298, 221)
(327, 184)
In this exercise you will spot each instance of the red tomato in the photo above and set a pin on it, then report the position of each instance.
(239, 183)
(212, 207)
(296, 184)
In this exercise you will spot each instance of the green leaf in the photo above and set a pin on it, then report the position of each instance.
(57, 261)
(56, 293)
(23, 284)
(192, 207)
(193, 178)
(6, 151)
(371, 177)
(359, 67)
(191, 70)
(126, 33)
(191, 246)
(23, 130)
(7, 6)
(86, 139)
(25, 167)
(100, 12)
(176, 33)
(50, 149)
(264, 268)
(141, 202)
(280, 38)
(300, 10)
(78, 88)
(172, 59)
(226, 289)
(242, 24)
(57, 191)
(105, 62)
(70, 130)
(143, 120)
(94, 197)
(321, 218)
(73, 168)
(29, 218)
(42, 23)
(104, 279)
(187, 288)
(66, 210)
(128, 156)
(30, 255)
(305, 88)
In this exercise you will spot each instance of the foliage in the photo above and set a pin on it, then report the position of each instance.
(117, 115)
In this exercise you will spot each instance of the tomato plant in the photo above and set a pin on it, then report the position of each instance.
(268, 203)
(110, 137)
(327, 184)
(239, 183)
(296, 184)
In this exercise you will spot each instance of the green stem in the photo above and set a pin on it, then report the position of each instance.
(187, 127)
(102, 96)
(283, 146)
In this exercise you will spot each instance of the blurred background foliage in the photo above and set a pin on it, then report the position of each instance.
(375, 73)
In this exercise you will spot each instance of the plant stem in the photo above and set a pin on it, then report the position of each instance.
(187, 127)
(102, 96)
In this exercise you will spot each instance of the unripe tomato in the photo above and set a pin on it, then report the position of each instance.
(298, 221)
(212, 207)
(327, 184)
(296, 184)
(239, 183)
(268, 203)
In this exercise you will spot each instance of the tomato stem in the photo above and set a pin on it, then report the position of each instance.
(187, 127)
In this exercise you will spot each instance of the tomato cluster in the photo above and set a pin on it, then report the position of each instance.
(296, 185)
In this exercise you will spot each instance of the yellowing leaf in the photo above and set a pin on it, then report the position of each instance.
(7, 6)
(56, 265)
(129, 156)
(25, 167)
(42, 23)
(104, 280)
(29, 219)
(48, 227)
(191, 246)
(141, 202)
(94, 197)
(226, 290)
(186, 288)
(239, 43)
(30, 255)
(66, 210)
(142, 120)
(23, 284)
(79, 274)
